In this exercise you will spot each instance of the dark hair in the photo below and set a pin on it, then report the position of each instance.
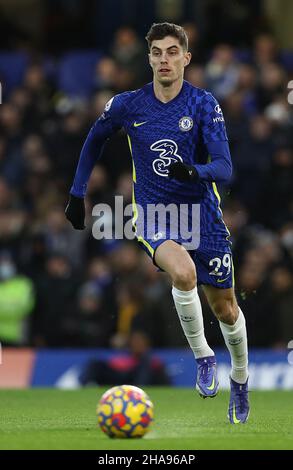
(161, 30)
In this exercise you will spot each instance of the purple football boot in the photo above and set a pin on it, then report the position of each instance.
(238, 411)
(207, 382)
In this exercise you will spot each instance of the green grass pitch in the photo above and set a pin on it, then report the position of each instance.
(55, 419)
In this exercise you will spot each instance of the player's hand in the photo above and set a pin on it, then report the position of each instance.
(75, 212)
(182, 172)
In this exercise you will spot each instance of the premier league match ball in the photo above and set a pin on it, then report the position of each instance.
(125, 411)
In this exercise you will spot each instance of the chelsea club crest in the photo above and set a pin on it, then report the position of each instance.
(185, 124)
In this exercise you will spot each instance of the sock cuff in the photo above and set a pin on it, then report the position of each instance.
(184, 294)
(237, 325)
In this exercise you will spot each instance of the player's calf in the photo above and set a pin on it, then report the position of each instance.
(225, 308)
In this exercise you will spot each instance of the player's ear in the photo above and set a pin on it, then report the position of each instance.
(187, 58)
(149, 56)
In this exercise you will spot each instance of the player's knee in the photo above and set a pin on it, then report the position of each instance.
(184, 277)
(225, 310)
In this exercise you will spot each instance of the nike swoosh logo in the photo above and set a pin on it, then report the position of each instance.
(212, 384)
(137, 124)
(234, 417)
(222, 280)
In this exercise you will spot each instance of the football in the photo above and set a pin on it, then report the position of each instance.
(125, 411)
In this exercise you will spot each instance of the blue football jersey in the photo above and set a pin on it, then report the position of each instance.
(159, 134)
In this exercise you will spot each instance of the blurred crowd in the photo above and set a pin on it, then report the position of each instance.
(61, 287)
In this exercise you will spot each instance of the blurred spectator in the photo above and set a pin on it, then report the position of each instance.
(10, 121)
(130, 300)
(124, 187)
(91, 323)
(125, 259)
(194, 43)
(278, 190)
(35, 157)
(236, 217)
(272, 83)
(265, 50)
(195, 74)
(100, 275)
(278, 111)
(106, 73)
(59, 237)
(7, 197)
(286, 237)
(17, 299)
(98, 103)
(130, 54)
(252, 160)
(237, 122)
(13, 220)
(222, 71)
(282, 303)
(247, 85)
(56, 299)
(138, 367)
(66, 142)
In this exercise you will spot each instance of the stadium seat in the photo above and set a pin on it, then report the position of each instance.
(287, 59)
(12, 69)
(77, 72)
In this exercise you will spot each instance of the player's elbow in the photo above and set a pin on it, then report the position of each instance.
(224, 172)
(227, 173)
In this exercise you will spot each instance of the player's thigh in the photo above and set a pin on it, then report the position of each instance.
(175, 260)
(215, 274)
(214, 267)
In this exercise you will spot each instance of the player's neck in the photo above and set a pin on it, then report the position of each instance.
(167, 93)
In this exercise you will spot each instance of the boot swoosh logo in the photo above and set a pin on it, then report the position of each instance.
(137, 124)
(234, 417)
(212, 384)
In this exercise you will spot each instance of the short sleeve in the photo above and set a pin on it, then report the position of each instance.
(114, 113)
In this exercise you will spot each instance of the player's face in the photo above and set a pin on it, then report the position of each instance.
(168, 59)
